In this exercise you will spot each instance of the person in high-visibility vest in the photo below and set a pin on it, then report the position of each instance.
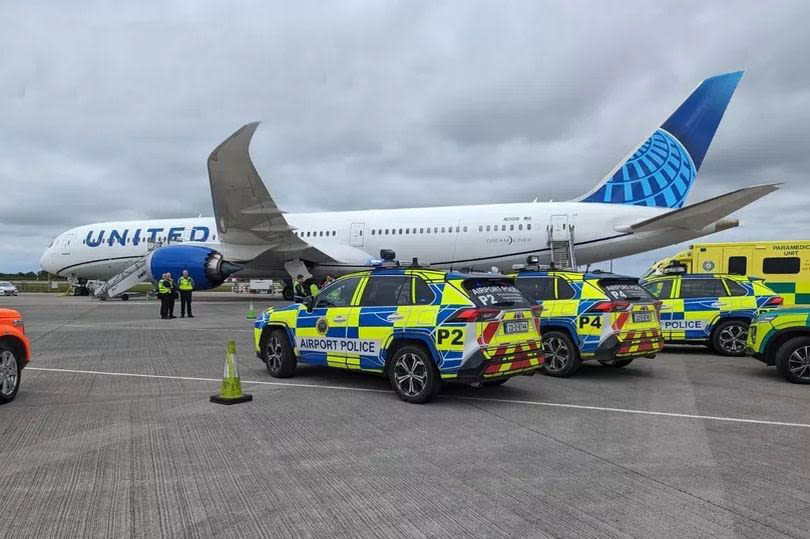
(299, 290)
(185, 284)
(313, 288)
(164, 293)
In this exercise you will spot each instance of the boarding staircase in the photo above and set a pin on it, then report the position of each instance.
(561, 244)
(135, 273)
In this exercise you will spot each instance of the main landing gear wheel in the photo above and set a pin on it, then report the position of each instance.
(561, 356)
(728, 338)
(793, 360)
(413, 375)
(288, 293)
(278, 355)
(616, 363)
(10, 367)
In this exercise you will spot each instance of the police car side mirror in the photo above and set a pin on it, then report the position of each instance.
(309, 303)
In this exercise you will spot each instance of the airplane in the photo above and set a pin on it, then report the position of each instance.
(638, 206)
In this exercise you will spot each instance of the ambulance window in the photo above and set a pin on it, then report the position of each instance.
(564, 290)
(536, 288)
(735, 288)
(786, 265)
(338, 294)
(660, 289)
(383, 291)
(423, 295)
(702, 288)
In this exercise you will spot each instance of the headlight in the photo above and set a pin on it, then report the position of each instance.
(18, 323)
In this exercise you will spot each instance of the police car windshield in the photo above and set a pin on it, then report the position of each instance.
(495, 292)
(625, 289)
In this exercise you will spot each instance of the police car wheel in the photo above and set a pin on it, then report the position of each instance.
(10, 367)
(728, 338)
(561, 356)
(413, 375)
(617, 363)
(793, 360)
(278, 355)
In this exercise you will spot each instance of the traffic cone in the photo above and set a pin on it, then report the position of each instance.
(230, 392)
(251, 314)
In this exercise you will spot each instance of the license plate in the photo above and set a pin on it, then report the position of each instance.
(642, 317)
(519, 326)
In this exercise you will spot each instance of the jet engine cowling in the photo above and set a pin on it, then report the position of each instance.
(205, 265)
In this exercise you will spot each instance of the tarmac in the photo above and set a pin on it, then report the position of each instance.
(113, 434)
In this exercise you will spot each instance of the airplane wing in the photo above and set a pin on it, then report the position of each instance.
(699, 215)
(244, 211)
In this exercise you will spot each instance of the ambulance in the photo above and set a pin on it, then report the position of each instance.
(784, 266)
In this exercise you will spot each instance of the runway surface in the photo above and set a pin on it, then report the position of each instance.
(112, 434)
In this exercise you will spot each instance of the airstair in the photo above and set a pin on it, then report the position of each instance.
(561, 243)
(133, 274)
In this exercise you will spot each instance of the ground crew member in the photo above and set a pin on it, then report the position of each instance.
(313, 288)
(172, 296)
(164, 288)
(185, 285)
(298, 288)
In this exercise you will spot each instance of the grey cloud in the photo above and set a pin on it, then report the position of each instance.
(382, 104)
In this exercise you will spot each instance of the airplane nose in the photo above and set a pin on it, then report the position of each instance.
(44, 261)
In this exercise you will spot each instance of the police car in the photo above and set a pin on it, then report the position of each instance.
(417, 326)
(710, 309)
(591, 316)
(781, 337)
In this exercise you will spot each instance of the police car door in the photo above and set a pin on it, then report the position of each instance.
(664, 291)
(384, 309)
(703, 299)
(321, 333)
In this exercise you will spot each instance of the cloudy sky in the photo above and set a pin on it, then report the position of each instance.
(104, 107)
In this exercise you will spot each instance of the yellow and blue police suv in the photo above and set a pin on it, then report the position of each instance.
(781, 337)
(592, 315)
(417, 326)
(710, 309)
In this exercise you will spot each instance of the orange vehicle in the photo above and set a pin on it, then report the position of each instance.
(15, 353)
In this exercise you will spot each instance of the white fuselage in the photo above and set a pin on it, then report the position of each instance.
(476, 237)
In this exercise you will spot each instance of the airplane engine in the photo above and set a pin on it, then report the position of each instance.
(206, 266)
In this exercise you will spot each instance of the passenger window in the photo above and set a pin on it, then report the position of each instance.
(423, 295)
(564, 290)
(487, 228)
(735, 288)
(528, 227)
(384, 291)
(520, 227)
(536, 288)
(786, 265)
(480, 228)
(702, 288)
(659, 289)
(338, 294)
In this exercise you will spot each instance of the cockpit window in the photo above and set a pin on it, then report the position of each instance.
(51, 244)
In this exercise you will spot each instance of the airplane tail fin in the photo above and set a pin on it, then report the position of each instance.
(661, 170)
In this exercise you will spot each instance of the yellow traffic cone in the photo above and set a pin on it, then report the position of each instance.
(251, 314)
(230, 392)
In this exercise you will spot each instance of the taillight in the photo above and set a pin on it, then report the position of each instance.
(475, 314)
(537, 310)
(609, 306)
(18, 323)
(774, 301)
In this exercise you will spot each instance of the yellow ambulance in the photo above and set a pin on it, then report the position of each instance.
(784, 266)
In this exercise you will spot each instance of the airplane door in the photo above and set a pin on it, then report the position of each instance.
(66, 244)
(558, 227)
(357, 234)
